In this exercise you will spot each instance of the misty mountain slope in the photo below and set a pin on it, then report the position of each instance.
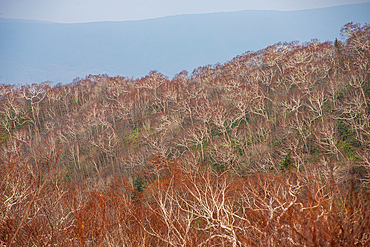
(34, 51)
(269, 149)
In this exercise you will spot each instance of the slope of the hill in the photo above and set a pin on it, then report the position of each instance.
(33, 52)
(269, 149)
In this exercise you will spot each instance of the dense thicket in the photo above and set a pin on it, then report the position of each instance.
(269, 149)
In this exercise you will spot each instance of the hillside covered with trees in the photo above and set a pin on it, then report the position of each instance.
(269, 149)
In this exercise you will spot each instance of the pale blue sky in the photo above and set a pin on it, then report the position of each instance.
(70, 11)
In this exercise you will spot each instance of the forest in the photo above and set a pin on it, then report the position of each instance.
(271, 148)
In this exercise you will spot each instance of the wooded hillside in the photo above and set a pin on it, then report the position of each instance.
(269, 149)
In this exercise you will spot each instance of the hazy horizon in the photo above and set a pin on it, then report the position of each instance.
(82, 11)
(35, 51)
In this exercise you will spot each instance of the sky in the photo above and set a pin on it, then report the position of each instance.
(77, 11)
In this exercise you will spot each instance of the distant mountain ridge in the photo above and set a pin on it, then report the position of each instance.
(35, 51)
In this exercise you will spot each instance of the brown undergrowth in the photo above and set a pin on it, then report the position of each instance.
(181, 208)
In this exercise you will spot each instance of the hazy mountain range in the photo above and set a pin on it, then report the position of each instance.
(35, 51)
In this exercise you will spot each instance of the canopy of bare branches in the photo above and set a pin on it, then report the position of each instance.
(269, 149)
